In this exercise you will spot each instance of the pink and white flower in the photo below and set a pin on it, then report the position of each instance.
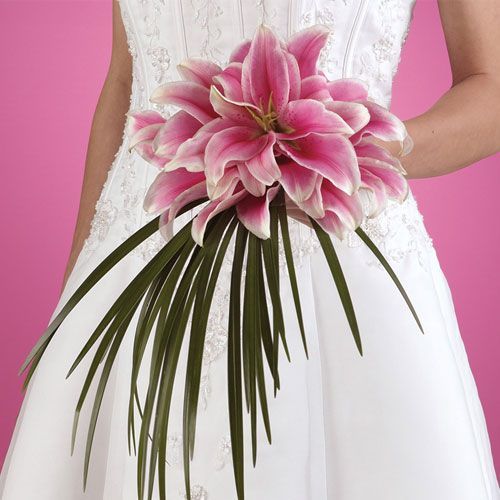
(269, 120)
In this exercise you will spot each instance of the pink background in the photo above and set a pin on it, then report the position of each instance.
(54, 57)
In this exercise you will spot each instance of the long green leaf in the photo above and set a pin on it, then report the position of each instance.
(369, 243)
(266, 331)
(95, 276)
(250, 336)
(108, 365)
(272, 273)
(136, 288)
(340, 282)
(287, 246)
(235, 397)
(157, 310)
(261, 312)
(206, 285)
(275, 259)
(179, 315)
(162, 336)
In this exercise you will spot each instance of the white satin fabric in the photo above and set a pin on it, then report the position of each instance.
(403, 422)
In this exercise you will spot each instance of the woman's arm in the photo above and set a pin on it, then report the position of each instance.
(106, 133)
(463, 126)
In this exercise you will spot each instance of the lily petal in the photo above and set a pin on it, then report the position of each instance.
(383, 125)
(293, 76)
(297, 181)
(306, 116)
(147, 133)
(373, 194)
(240, 52)
(395, 183)
(315, 87)
(265, 71)
(179, 128)
(230, 81)
(263, 166)
(348, 208)
(250, 183)
(348, 89)
(356, 115)
(313, 206)
(228, 109)
(330, 155)
(254, 213)
(137, 120)
(196, 192)
(198, 70)
(368, 149)
(191, 153)
(233, 144)
(145, 151)
(167, 186)
(192, 97)
(226, 185)
(332, 224)
(306, 46)
(209, 211)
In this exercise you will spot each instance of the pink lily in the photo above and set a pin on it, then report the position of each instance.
(270, 120)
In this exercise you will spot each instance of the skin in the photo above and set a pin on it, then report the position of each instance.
(105, 135)
(462, 126)
(458, 130)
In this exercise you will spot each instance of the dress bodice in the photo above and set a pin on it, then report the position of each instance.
(365, 42)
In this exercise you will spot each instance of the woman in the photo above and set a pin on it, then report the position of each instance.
(402, 422)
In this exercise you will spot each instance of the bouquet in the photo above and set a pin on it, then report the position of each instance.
(264, 138)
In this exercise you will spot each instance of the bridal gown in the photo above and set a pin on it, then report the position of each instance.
(403, 422)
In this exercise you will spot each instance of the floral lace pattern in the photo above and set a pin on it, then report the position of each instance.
(201, 28)
(398, 232)
(377, 62)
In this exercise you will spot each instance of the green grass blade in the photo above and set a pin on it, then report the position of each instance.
(369, 243)
(266, 331)
(271, 265)
(137, 287)
(157, 310)
(340, 282)
(95, 276)
(108, 365)
(276, 260)
(162, 336)
(235, 396)
(287, 246)
(179, 315)
(260, 325)
(103, 268)
(209, 272)
(140, 341)
(250, 336)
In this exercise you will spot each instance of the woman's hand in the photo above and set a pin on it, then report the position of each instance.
(105, 136)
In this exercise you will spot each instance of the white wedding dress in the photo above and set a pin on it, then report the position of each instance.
(403, 422)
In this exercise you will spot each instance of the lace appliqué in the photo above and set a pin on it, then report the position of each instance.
(398, 232)
(327, 15)
(159, 55)
(376, 63)
(174, 449)
(224, 452)
(197, 493)
(205, 13)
